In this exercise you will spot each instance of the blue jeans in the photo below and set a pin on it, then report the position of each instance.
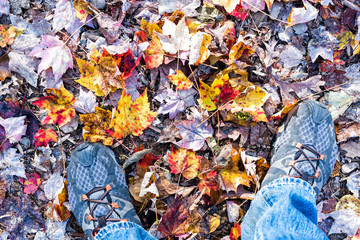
(283, 209)
(123, 231)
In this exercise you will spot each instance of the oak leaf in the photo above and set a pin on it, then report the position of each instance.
(43, 137)
(131, 118)
(96, 125)
(59, 104)
(181, 81)
(185, 162)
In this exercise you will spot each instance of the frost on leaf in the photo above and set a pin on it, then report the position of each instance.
(43, 137)
(185, 162)
(54, 54)
(131, 118)
(96, 125)
(180, 80)
(59, 104)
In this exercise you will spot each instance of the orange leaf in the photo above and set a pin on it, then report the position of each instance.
(8, 35)
(235, 232)
(180, 80)
(208, 181)
(59, 104)
(154, 54)
(238, 50)
(184, 161)
(149, 28)
(60, 208)
(43, 137)
(131, 117)
(96, 125)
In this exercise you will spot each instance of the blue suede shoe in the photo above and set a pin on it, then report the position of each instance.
(305, 146)
(97, 188)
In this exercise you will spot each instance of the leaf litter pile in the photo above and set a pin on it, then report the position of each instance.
(188, 93)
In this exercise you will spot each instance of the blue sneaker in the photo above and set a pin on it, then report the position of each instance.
(305, 146)
(97, 187)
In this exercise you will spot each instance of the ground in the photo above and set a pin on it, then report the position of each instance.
(189, 95)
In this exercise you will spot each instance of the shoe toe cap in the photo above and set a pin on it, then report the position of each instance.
(318, 111)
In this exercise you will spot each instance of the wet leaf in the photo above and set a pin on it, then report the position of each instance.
(185, 162)
(59, 104)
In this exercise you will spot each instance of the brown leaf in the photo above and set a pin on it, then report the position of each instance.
(4, 67)
(167, 188)
(176, 220)
(345, 133)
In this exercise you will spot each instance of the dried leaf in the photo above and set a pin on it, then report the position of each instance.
(14, 127)
(43, 137)
(302, 15)
(96, 125)
(185, 162)
(208, 93)
(82, 10)
(208, 181)
(59, 104)
(235, 232)
(4, 67)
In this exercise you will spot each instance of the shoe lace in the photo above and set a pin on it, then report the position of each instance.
(106, 218)
(303, 175)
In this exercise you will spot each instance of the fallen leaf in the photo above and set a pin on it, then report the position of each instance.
(208, 181)
(53, 53)
(4, 7)
(4, 67)
(10, 164)
(64, 16)
(345, 221)
(213, 222)
(180, 80)
(302, 15)
(167, 188)
(14, 127)
(349, 202)
(31, 183)
(322, 44)
(59, 104)
(208, 93)
(176, 220)
(350, 132)
(175, 102)
(194, 133)
(235, 232)
(131, 117)
(352, 149)
(338, 102)
(185, 162)
(199, 48)
(43, 137)
(86, 102)
(229, 5)
(154, 53)
(8, 35)
(82, 10)
(239, 49)
(96, 125)
(148, 185)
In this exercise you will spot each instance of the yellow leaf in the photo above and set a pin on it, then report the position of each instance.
(149, 28)
(8, 34)
(154, 54)
(82, 10)
(184, 161)
(238, 50)
(180, 80)
(204, 51)
(229, 5)
(131, 118)
(251, 101)
(87, 76)
(214, 222)
(96, 125)
(208, 94)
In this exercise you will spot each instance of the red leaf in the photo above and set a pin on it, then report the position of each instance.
(43, 137)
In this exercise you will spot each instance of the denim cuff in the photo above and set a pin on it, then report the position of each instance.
(123, 230)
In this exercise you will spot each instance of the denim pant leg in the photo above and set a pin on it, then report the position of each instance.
(283, 209)
(123, 231)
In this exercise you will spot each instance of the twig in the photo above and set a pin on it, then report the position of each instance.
(62, 153)
(264, 12)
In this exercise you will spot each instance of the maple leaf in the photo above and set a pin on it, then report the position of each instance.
(131, 117)
(10, 164)
(154, 53)
(302, 15)
(86, 102)
(147, 160)
(87, 76)
(208, 181)
(43, 137)
(64, 16)
(229, 5)
(199, 48)
(53, 53)
(180, 80)
(251, 101)
(322, 44)
(193, 133)
(185, 162)
(175, 102)
(176, 220)
(96, 125)
(209, 93)
(235, 232)
(239, 49)
(149, 28)
(31, 183)
(59, 104)
(60, 208)
(14, 127)
(8, 35)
